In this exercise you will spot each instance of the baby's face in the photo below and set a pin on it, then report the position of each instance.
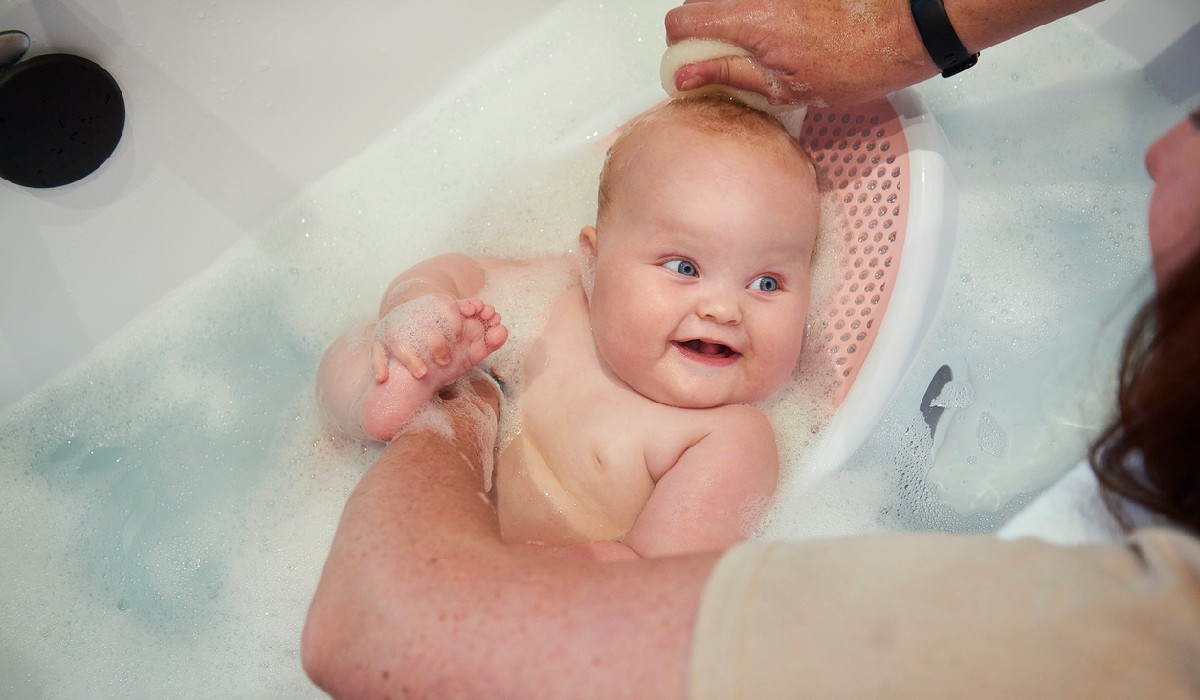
(702, 270)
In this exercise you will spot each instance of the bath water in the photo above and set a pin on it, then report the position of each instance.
(168, 503)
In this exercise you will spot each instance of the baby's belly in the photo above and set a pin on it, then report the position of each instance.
(534, 505)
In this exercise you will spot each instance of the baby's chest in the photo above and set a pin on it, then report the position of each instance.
(587, 425)
(598, 434)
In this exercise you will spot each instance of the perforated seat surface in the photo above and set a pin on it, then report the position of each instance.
(862, 156)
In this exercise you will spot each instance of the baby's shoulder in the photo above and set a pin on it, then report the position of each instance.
(535, 279)
(733, 433)
(564, 263)
(741, 421)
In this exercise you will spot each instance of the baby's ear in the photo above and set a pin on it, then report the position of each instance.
(587, 240)
(587, 259)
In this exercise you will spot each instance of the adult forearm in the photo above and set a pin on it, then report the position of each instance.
(421, 598)
(981, 24)
(413, 518)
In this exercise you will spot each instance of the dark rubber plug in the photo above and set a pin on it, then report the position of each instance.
(61, 117)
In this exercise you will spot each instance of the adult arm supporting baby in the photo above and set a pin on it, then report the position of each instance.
(421, 598)
(837, 52)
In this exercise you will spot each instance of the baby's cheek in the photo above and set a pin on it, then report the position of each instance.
(785, 355)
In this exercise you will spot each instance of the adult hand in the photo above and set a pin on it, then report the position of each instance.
(838, 52)
(814, 52)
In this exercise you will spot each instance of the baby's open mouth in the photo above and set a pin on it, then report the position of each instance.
(707, 349)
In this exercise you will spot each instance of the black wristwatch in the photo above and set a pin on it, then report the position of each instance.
(940, 39)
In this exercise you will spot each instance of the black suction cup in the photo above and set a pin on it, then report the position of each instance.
(61, 117)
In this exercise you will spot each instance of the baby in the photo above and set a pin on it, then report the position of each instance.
(686, 303)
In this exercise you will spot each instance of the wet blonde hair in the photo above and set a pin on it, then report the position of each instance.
(709, 115)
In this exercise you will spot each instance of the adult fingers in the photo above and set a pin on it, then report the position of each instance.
(701, 19)
(734, 71)
(740, 72)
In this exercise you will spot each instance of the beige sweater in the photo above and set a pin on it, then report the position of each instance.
(943, 616)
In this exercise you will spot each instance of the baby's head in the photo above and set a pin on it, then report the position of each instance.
(711, 117)
(698, 268)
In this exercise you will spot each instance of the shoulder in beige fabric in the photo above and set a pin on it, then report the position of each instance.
(921, 616)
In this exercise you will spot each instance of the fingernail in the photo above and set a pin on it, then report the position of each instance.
(691, 83)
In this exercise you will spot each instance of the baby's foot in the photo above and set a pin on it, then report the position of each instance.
(403, 388)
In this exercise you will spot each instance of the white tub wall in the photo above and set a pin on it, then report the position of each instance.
(1163, 35)
(231, 108)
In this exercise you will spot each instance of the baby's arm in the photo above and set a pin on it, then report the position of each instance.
(714, 493)
(431, 330)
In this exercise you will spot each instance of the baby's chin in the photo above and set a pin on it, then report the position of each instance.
(708, 397)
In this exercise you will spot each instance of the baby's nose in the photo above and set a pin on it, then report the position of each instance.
(720, 307)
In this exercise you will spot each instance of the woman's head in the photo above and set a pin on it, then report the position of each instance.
(1173, 162)
(1150, 455)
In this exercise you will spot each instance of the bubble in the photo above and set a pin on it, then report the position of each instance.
(993, 440)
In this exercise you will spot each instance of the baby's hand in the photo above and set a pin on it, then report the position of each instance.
(436, 332)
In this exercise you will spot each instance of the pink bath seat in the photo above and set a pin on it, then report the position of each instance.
(862, 156)
(885, 162)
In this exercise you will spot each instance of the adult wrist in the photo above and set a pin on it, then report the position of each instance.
(939, 38)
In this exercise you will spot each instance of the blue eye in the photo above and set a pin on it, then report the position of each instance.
(766, 283)
(682, 267)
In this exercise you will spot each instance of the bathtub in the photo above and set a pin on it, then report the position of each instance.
(166, 514)
(208, 86)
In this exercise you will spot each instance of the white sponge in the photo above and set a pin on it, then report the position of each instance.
(696, 50)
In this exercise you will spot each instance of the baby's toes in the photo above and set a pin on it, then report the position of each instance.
(495, 336)
(474, 343)
(470, 308)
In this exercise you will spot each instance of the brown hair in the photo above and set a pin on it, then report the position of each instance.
(1158, 409)
(708, 114)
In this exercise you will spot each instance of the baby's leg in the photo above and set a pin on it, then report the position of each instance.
(387, 405)
(342, 379)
